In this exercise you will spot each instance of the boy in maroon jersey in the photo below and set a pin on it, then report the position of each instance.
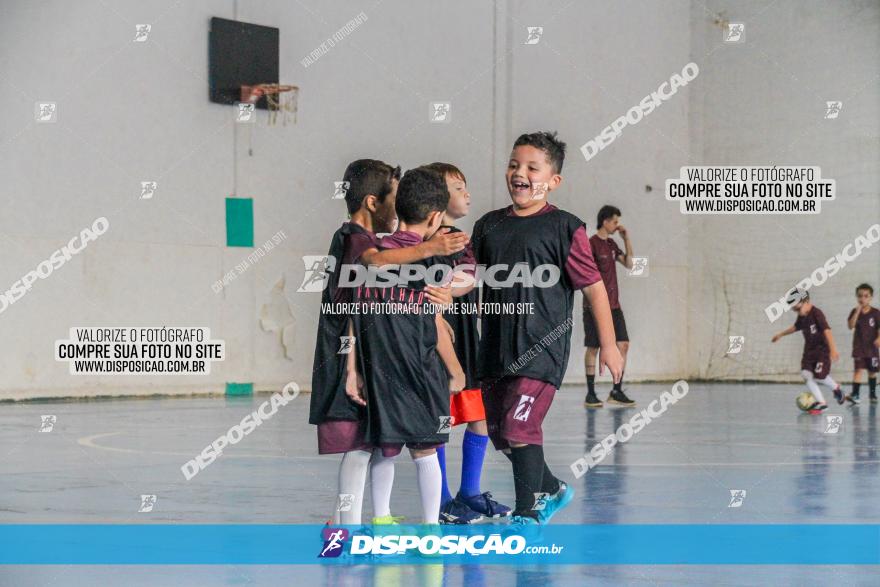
(819, 351)
(864, 321)
(607, 253)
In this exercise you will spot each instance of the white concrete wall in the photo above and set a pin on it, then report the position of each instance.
(594, 62)
(762, 102)
(139, 111)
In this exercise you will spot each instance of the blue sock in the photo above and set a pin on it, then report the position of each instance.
(445, 496)
(473, 449)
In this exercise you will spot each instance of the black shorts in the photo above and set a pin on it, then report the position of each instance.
(819, 364)
(872, 364)
(591, 333)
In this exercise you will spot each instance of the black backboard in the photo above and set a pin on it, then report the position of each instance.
(240, 53)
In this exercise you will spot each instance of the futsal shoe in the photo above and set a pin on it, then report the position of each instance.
(525, 526)
(817, 408)
(388, 520)
(484, 505)
(852, 400)
(384, 525)
(457, 512)
(428, 530)
(556, 502)
(618, 398)
(591, 401)
(838, 395)
(873, 398)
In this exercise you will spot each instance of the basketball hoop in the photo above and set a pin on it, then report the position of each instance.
(279, 98)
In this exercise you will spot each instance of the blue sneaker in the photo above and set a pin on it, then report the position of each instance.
(556, 502)
(456, 511)
(522, 521)
(525, 526)
(485, 505)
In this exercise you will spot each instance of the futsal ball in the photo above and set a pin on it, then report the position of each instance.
(805, 400)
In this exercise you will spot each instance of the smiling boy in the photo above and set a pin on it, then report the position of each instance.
(521, 361)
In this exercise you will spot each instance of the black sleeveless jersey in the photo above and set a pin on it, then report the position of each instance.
(464, 324)
(328, 400)
(511, 345)
(406, 383)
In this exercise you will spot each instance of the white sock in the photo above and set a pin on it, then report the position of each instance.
(812, 386)
(381, 482)
(352, 477)
(829, 383)
(428, 473)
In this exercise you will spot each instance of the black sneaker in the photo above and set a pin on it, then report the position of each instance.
(852, 400)
(592, 401)
(838, 395)
(854, 395)
(618, 398)
(873, 398)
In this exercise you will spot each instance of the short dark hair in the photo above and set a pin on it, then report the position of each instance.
(365, 177)
(421, 191)
(445, 169)
(605, 212)
(547, 142)
(867, 287)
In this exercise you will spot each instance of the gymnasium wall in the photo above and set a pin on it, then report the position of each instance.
(763, 102)
(594, 62)
(131, 112)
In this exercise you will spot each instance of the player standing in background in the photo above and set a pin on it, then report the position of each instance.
(864, 321)
(606, 252)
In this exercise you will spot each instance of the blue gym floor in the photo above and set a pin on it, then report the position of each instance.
(102, 455)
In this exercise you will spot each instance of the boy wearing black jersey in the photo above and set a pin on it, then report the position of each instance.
(523, 357)
(370, 201)
(404, 351)
(470, 504)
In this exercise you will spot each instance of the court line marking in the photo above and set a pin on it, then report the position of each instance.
(89, 442)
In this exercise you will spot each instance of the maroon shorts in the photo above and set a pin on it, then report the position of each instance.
(872, 364)
(341, 436)
(515, 409)
(819, 366)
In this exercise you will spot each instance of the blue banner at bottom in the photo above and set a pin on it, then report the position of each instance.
(277, 544)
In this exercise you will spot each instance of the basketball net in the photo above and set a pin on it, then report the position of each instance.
(279, 98)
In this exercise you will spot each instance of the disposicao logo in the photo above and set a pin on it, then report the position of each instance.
(334, 540)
